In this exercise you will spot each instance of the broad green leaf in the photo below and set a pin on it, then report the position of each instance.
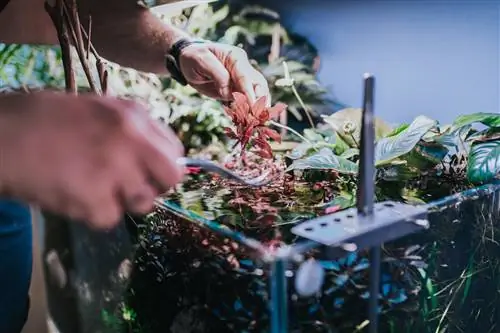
(276, 68)
(412, 197)
(219, 16)
(325, 159)
(350, 153)
(414, 201)
(396, 173)
(318, 139)
(286, 146)
(232, 33)
(454, 138)
(306, 148)
(484, 162)
(426, 155)
(484, 135)
(397, 130)
(327, 132)
(344, 200)
(351, 117)
(488, 119)
(340, 145)
(312, 135)
(299, 151)
(436, 133)
(393, 147)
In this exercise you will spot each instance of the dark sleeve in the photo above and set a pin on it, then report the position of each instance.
(15, 264)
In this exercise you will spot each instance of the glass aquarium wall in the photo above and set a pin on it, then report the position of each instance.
(177, 271)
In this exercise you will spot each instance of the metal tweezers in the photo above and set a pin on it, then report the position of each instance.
(210, 166)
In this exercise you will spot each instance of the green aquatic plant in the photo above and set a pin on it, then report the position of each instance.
(416, 163)
(417, 150)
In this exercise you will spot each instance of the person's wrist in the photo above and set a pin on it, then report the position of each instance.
(6, 113)
(176, 38)
(173, 58)
(15, 115)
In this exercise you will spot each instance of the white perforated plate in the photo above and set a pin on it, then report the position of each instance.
(388, 221)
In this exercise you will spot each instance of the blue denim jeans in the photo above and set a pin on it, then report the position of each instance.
(15, 264)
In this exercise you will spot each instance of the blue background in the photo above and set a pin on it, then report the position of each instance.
(437, 58)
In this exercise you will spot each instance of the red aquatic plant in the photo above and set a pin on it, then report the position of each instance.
(250, 124)
(193, 170)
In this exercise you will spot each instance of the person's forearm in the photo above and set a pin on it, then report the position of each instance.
(128, 34)
(11, 106)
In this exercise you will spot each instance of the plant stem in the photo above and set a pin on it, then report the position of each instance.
(354, 140)
(73, 23)
(302, 104)
(272, 122)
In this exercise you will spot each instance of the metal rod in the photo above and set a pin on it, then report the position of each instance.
(366, 186)
(375, 254)
(279, 297)
(366, 192)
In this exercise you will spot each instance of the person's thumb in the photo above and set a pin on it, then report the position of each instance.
(211, 68)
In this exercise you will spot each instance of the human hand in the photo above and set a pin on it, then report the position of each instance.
(87, 157)
(218, 70)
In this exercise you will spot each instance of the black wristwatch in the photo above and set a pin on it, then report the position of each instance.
(172, 59)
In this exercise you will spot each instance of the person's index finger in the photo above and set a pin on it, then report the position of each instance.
(165, 132)
(261, 87)
(245, 86)
(159, 158)
(242, 77)
(211, 67)
(157, 150)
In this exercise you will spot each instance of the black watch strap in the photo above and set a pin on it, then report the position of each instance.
(172, 61)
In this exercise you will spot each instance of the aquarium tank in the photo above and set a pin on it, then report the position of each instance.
(303, 216)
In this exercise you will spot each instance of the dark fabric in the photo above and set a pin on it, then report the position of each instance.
(15, 265)
(15, 260)
(3, 4)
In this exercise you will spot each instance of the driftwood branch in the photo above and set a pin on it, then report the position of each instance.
(56, 13)
(69, 17)
(64, 15)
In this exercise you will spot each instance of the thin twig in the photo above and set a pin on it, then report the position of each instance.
(303, 105)
(89, 44)
(76, 20)
(71, 17)
(102, 72)
(103, 77)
